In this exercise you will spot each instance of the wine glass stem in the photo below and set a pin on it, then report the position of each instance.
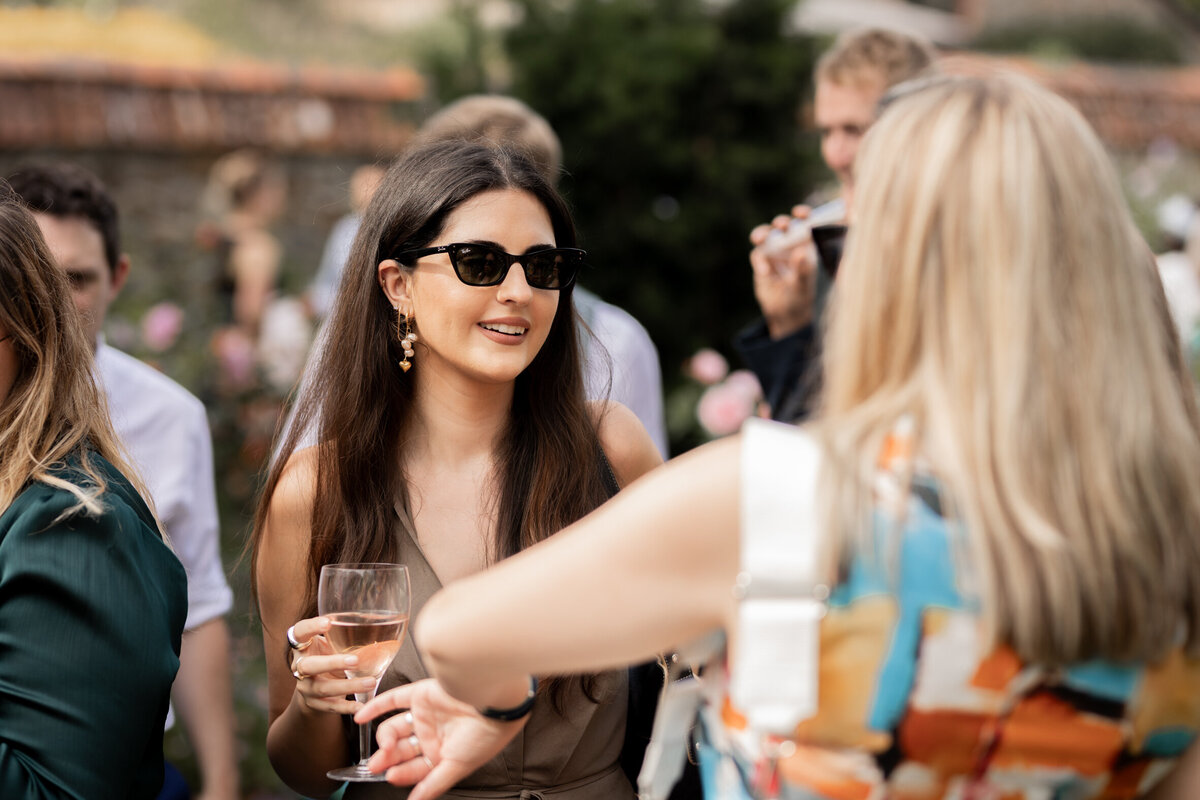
(364, 743)
(364, 731)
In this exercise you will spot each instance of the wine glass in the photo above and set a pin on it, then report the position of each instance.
(368, 607)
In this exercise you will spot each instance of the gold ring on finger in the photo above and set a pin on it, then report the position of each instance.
(296, 670)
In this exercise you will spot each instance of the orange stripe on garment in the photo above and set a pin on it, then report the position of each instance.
(895, 448)
(824, 772)
(1045, 731)
(944, 741)
(733, 719)
(997, 671)
(1125, 782)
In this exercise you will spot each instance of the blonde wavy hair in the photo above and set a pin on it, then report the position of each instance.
(995, 291)
(54, 409)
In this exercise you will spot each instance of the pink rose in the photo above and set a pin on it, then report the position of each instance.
(746, 383)
(235, 354)
(723, 408)
(707, 366)
(161, 326)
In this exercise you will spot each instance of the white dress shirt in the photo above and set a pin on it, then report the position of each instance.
(620, 357)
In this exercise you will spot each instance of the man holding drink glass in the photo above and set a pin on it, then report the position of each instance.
(851, 77)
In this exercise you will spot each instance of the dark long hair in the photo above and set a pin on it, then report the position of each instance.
(360, 402)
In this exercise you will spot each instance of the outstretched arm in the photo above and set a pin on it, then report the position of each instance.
(649, 570)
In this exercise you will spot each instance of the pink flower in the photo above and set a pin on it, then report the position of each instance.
(161, 326)
(746, 383)
(724, 407)
(707, 366)
(235, 354)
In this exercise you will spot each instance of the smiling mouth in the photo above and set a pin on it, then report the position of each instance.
(507, 330)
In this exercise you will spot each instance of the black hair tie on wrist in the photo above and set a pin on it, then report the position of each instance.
(517, 711)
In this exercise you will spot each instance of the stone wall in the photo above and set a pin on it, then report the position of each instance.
(159, 194)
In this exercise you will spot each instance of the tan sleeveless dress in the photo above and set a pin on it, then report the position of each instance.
(567, 756)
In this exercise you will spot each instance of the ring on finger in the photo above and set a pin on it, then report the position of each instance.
(293, 642)
(296, 669)
(415, 744)
(408, 718)
(428, 763)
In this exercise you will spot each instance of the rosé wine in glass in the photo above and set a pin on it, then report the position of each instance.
(367, 605)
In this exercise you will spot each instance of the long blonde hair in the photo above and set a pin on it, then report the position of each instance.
(53, 409)
(995, 291)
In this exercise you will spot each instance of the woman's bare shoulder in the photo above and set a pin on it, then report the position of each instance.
(626, 443)
(289, 509)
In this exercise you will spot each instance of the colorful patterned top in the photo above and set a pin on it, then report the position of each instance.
(912, 709)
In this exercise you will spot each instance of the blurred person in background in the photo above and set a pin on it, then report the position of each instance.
(92, 601)
(245, 195)
(452, 430)
(1178, 267)
(1000, 512)
(363, 182)
(782, 345)
(165, 430)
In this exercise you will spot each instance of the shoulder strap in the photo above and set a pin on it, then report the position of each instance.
(774, 670)
(774, 673)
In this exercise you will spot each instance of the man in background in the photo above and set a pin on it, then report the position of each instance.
(363, 182)
(165, 429)
(850, 79)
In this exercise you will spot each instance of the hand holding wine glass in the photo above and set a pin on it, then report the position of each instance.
(322, 678)
(367, 609)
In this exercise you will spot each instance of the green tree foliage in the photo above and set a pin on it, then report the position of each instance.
(680, 133)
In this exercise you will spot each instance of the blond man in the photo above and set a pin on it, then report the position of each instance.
(850, 79)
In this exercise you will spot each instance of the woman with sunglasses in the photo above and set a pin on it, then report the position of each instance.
(993, 567)
(92, 600)
(452, 432)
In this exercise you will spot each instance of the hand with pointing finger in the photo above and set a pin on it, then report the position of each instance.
(438, 742)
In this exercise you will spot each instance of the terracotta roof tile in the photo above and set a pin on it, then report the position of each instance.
(1130, 107)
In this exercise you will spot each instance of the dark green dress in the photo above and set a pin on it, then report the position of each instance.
(91, 613)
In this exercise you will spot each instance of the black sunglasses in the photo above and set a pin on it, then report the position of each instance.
(485, 265)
